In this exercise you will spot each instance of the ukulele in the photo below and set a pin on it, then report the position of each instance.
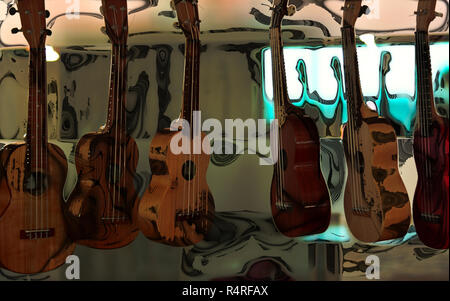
(300, 200)
(101, 210)
(177, 208)
(431, 145)
(33, 173)
(376, 203)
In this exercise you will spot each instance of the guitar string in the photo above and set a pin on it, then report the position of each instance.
(422, 119)
(350, 172)
(423, 122)
(351, 129)
(428, 107)
(123, 107)
(197, 107)
(121, 130)
(424, 113)
(46, 178)
(276, 107)
(113, 83)
(277, 50)
(284, 102)
(116, 113)
(191, 44)
(360, 197)
(192, 155)
(277, 104)
(280, 100)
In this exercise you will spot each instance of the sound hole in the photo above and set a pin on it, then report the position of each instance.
(35, 183)
(188, 170)
(113, 173)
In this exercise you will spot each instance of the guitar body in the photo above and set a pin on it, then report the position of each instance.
(32, 226)
(177, 208)
(306, 199)
(430, 207)
(101, 210)
(376, 202)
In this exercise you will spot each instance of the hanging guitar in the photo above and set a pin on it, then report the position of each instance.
(33, 173)
(300, 200)
(177, 208)
(376, 203)
(431, 145)
(101, 209)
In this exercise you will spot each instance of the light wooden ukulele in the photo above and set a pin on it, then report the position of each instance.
(101, 210)
(33, 173)
(177, 207)
(376, 203)
(431, 145)
(299, 197)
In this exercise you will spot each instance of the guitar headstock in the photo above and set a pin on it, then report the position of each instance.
(115, 13)
(425, 14)
(281, 9)
(352, 11)
(32, 16)
(188, 19)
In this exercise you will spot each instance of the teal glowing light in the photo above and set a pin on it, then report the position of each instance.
(334, 233)
(387, 75)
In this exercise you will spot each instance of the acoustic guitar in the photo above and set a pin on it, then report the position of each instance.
(33, 173)
(300, 200)
(101, 209)
(431, 145)
(376, 202)
(177, 208)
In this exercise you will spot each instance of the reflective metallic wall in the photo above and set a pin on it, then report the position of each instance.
(234, 83)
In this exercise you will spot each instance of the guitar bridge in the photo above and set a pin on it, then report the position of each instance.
(284, 206)
(189, 216)
(115, 220)
(37, 233)
(431, 218)
(362, 211)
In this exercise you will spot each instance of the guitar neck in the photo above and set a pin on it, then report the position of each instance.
(351, 70)
(118, 89)
(191, 79)
(36, 138)
(280, 94)
(425, 98)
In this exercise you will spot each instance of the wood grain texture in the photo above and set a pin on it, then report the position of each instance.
(430, 206)
(101, 211)
(304, 207)
(21, 210)
(173, 210)
(376, 202)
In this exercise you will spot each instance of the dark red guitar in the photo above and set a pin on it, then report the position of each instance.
(431, 145)
(299, 196)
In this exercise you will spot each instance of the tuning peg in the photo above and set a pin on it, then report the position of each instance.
(420, 12)
(291, 10)
(177, 25)
(47, 13)
(365, 10)
(48, 32)
(347, 6)
(440, 15)
(13, 11)
(15, 30)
